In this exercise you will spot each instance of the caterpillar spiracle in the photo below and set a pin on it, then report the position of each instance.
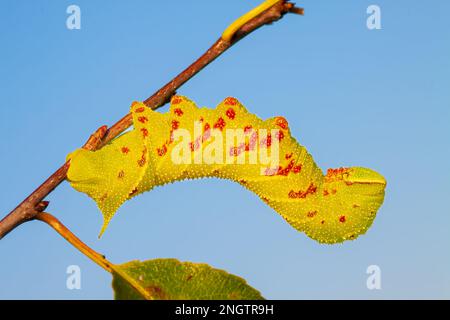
(188, 142)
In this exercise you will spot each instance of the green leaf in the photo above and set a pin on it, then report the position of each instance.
(170, 279)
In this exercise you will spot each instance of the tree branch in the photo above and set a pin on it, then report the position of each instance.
(31, 206)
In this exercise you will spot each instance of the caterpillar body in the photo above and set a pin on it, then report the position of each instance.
(330, 208)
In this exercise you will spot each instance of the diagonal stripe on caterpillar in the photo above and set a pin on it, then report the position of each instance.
(189, 142)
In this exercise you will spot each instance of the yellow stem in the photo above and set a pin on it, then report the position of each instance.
(89, 252)
(237, 24)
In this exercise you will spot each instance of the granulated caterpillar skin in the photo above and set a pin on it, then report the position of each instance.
(330, 208)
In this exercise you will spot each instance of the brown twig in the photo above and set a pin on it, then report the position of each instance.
(28, 208)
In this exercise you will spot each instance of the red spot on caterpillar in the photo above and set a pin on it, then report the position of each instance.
(247, 128)
(252, 143)
(103, 197)
(279, 135)
(271, 171)
(302, 194)
(125, 150)
(121, 174)
(144, 132)
(162, 151)
(134, 103)
(142, 161)
(142, 119)
(322, 222)
(297, 168)
(285, 171)
(175, 124)
(230, 101)
(337, 174)
(133, 192)
(311, 214)
(266, 142)
(281, 122)
(325, 192)
(196, 144)
(288, 156)
(266, 200)
(139, 110)
(207, 132)
(176, 100)
(178, 112)
(269, 140)
(333, 172)
(333, 191)
(235, 151)
(220, 124)
(290, 166)
(342, 219)
(243, 181)
(231, 113)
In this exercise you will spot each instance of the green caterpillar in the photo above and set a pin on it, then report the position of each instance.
(190, 142)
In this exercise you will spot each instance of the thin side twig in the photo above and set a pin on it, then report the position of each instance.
(98, 258)
(29, 207)
(74, 240)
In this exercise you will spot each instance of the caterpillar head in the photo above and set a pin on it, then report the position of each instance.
(350, 198)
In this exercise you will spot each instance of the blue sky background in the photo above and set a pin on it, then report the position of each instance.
(352, 96)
